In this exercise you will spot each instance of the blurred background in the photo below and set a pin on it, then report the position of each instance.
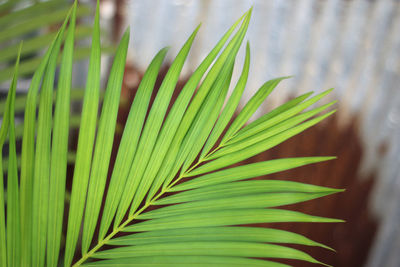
(350, 45)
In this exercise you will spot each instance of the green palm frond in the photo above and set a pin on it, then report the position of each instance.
(173, 197)
(33, 22)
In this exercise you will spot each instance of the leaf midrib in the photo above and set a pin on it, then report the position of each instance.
(122, 226)
(137, 213)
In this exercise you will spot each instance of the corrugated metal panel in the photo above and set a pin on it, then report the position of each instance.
(353, 46)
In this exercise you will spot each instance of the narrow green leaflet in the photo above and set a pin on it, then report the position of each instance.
(3, 134)
(269, 132)
(59, 152)
(238, 249)
(279, 117)
(74, 122)
(251, 107)
(85, 145)
(169, 166)
(70, 158)
(104, 142)
(3, 246)
(273, 113)
(225, 218)
(212, 234)
(29, 66)
(39, 21)
(172, 122)
(128, 144)
(17, 16)
(151, 128)
(226, 190)
(13, 244)
(206, 118)
(42, 160)
(257, 148)
(20, 100)
(179, 120)
(28, 153)
(36, 43)
(230, 106)
(247, 171)
(241, 202)
(172, 261)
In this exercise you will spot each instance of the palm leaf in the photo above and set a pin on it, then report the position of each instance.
(172, 261)
(239, 249)
(10, 238)
(59, 149)
(85, 146)
(42, 160)
(234, 233)
(28, 154)
(173, 198)
(30, 22)
(104, 141)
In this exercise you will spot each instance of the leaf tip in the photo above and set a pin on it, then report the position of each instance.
(250, 11)
(324, 264)
(328, 91)
(20, 46)
(326, 247)
(127, 30)
(197, 28)
(331, 112)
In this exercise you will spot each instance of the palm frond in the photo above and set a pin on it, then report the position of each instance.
(59, 148)
(10, 238)
(85, 146)
(173, 197)
(34, 23)
(31, 22)
(42, 160)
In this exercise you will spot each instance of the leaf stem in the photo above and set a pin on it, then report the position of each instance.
(137, 213)
(122, 226)
(113, 233)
